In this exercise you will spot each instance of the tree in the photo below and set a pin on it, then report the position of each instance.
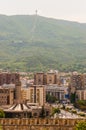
(81, 104)
(72, 97)
(50, 98)
(55, 110)
(81, 125)
(0, 127)
(2, 114)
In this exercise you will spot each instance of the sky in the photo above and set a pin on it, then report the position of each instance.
(73, 10)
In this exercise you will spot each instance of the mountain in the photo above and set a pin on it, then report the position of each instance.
(30, 43)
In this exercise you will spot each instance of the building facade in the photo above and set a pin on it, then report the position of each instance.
(78, 86)
(8, 78)
(57, 91)
(34, 94)
(6, 96)
(45, 78)
(77, 81)
(81, 94)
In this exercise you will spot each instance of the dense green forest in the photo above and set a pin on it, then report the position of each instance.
(34, 43)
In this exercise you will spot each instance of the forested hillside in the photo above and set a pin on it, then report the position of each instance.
(34, 43)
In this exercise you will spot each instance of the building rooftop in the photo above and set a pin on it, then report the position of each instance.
(19, 108)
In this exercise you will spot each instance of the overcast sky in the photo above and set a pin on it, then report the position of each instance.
(74, 10)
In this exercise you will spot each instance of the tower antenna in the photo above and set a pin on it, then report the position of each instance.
(36, 12)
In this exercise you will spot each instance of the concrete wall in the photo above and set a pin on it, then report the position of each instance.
(39, 124)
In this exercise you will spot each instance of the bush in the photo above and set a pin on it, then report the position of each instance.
(81, 114)
(67, 109)
(81, 125)
(51, 98)
(55, 110)
(74, 111)
(0, 127)
(81, 104)
(2, 114)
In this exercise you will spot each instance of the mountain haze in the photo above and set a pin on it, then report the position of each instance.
(30, 42)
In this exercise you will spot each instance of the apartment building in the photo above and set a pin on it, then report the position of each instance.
(6, 96)
(59, 92)
(81, 94)
(10, 93)
(45, 78)
(77, 81)
(78, 85)
(34, 94)
(8, 78)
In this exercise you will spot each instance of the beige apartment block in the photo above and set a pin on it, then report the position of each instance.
(34, 94)
(40, 95)
(37, 94)
(84, 80)
(6, 96)
(81, 94)
(25, 94)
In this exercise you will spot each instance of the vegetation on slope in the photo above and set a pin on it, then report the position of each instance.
(31, 43)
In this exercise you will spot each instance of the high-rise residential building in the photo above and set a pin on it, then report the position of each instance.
(34, 94)
(78, 86)
(25, 94)
(39, 79)
(51, 78)
(6, 96)
(45, 78)
(77, 81)
(10, 93)
(8, 78)
(81, 94)
(84, 80)
(10, 88)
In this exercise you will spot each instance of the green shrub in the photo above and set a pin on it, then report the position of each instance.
(0, 127)
(55, 110)
(81, 125)
(74, 111)
(2, 114)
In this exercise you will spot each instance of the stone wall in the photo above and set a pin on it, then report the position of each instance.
(38, 124)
